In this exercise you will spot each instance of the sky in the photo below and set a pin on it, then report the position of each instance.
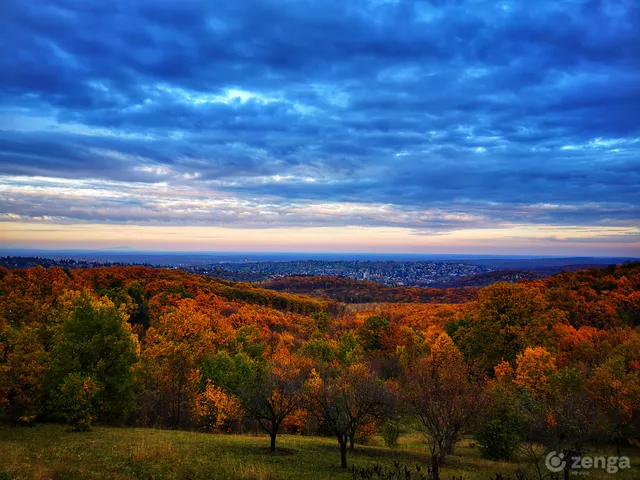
(442, 126)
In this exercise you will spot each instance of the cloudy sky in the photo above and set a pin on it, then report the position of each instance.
(460, 126)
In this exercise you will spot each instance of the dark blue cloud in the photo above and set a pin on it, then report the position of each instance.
(486, 107)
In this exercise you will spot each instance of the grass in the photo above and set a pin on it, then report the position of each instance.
(50, 452)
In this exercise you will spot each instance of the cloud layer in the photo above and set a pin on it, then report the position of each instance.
(434, 116)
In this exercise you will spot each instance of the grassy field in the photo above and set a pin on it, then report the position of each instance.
(50, 452)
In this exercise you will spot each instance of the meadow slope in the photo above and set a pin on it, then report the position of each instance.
(50, 452)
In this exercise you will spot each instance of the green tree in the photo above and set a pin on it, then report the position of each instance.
(230, 373)
(95, 347)
(506, 319)
(371, 332)
(76, 401)
(500, 428)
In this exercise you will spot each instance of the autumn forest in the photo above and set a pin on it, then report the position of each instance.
(515, 369)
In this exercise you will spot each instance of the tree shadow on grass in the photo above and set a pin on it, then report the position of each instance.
(280, 451)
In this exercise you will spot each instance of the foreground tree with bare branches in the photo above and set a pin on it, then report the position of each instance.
(277, 391)
(344, 399)
(442, 396)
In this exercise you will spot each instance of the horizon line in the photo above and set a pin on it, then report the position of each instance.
(126, 251)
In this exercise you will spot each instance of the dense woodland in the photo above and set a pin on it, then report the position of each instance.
(347, 290)
(531, 366)
(488, 278)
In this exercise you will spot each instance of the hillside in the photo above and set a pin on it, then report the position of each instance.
(152, 347)
(487, 278)
(48, 452)
(361, 291)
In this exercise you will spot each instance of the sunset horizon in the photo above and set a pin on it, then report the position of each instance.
(391, 126)
(311, 240)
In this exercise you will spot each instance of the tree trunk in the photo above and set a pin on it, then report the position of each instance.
(343, 451)
(569, 455)
(272, 434)
(435, 467)
(352, 442)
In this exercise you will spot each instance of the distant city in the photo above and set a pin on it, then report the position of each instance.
(472, 271)
(384, 272)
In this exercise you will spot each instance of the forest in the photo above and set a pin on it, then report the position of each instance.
(347, 290)
(517, 370)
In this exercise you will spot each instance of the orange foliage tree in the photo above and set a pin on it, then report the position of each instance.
(275, 392)
(443, 397)
(175, 345)
(346, 398)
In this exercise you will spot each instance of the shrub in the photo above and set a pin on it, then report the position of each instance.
(499, 429)
(390, 433)
(365, 433)
(76, 400)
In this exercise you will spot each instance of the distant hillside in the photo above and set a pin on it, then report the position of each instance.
(589, 282)
(575, 267)
(146, 284)
(550, 265)
(361, 291)
(484, 279)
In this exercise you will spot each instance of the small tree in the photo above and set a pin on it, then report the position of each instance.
(574, 418)
(441, 394)
(215, 409)
(500, 427)
(344, 399)
(23, 363)
(390, 433)
(561, 418)
(276, 392)
(76, 400)
(615, 387)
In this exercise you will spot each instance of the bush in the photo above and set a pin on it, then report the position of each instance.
(75, 402)
(390, 433)
(365, 433)
(499, 429)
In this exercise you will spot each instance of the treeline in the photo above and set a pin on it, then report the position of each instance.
(532, 366)
(362, 291)
(487, 278)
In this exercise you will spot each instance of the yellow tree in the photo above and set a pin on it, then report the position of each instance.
(214, 408)
(23, 363)
(533, 368)
(175, 345)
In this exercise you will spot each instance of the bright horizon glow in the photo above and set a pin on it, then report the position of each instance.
(513, 239)
(385, 127)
